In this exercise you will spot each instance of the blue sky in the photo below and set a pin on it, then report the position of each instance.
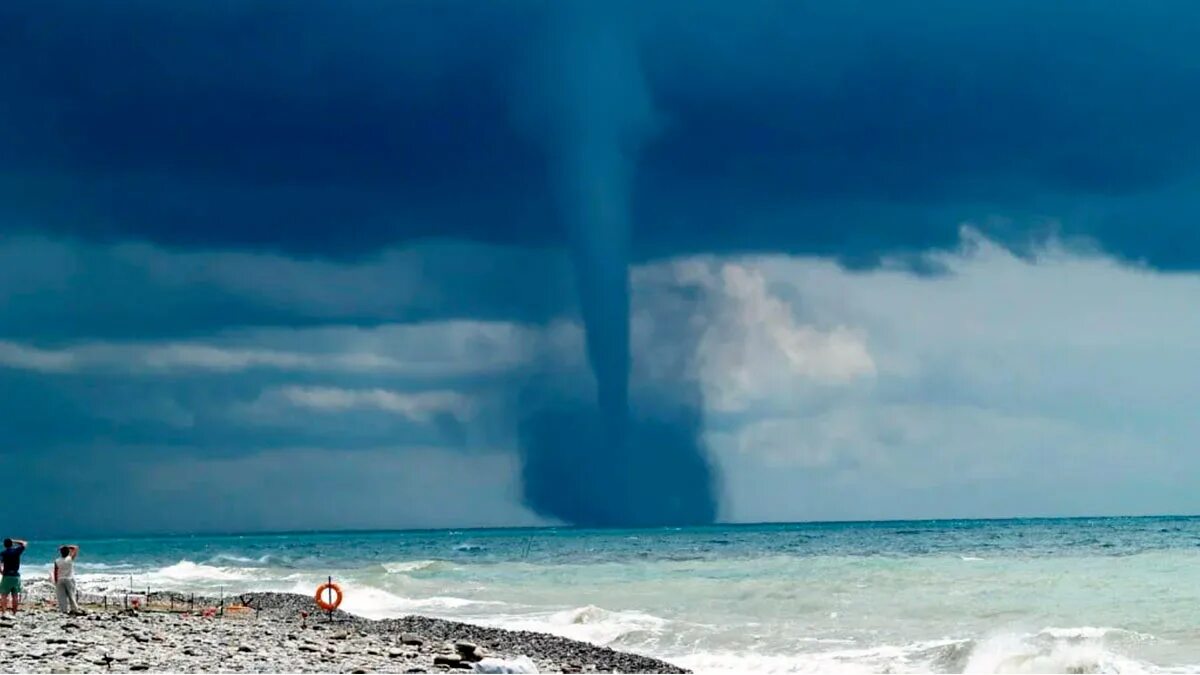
(889, 259)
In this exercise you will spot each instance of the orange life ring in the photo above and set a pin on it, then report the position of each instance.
(325, 604)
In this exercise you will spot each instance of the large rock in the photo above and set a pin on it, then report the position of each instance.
(454, 661)
(468, 651)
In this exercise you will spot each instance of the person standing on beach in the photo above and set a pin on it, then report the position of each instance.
(64, 580)
(10, 577)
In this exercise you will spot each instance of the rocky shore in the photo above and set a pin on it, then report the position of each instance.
(280, 632)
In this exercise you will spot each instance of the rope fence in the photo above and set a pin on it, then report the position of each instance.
(147, 599)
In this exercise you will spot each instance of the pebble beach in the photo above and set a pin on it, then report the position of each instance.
(279, 632)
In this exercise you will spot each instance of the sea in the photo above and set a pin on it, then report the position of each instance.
(1089, 595)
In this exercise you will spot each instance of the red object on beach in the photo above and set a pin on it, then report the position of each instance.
(331, 604)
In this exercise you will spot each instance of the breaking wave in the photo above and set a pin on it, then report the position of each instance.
(1056, 650)
(1053, 650)
(410, 566)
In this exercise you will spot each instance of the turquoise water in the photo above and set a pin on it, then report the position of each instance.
(1087, 595)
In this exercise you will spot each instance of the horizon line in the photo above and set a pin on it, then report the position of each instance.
(576, 528)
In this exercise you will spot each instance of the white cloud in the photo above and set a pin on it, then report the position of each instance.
(417, 406)
(754, 349)
(205, 357)
(749, 347)
(25, 357)
(933, 460)
(1062, 382)
(430, 349)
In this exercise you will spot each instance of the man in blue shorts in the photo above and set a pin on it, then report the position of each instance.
(10, 578)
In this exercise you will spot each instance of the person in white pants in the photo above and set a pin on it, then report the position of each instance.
(64, 580)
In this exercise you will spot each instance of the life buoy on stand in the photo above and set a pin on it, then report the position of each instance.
(322, 597)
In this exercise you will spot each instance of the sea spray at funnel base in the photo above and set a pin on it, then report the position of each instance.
(655, 474)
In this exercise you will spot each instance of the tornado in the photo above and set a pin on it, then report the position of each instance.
(603, 462)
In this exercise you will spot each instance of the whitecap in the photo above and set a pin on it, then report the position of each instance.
(1074, 650)
(186, 570)
(1090, 633)
(261, 560)
(102, 566)
(587, 624)
(410, 566)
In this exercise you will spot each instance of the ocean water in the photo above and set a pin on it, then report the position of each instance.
(1078, 595)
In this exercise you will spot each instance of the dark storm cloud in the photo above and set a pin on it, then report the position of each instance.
(209, 124)
(850, 128)
(53, 290)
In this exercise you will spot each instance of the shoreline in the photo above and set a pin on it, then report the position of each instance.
(269, 632)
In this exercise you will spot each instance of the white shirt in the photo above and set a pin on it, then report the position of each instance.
(65, 568)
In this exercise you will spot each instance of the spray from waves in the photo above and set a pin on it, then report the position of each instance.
(602, 626)
(99, 566)
(1083, 650)
(184, 575)
(596, 464)
(376, 603)
(1056, 650)
(626, 629)
(242, 561)
(410, 566)
(188, 571)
